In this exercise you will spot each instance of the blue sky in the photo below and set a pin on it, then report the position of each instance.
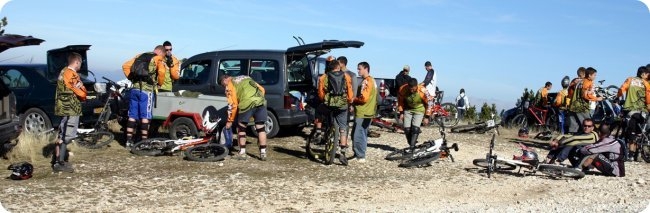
(493, 49)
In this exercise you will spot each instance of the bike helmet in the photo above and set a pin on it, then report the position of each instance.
(523, 132)
(528, 154)
(565, 82)
(21, 171)
(209, 119)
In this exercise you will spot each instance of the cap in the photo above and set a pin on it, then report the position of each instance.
(406, 67)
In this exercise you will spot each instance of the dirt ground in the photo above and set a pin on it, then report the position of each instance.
(113, 180)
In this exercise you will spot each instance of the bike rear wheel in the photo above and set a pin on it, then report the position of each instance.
(206, 152)
(560, 171)
(645, 152)
(330, 147)
(312, 149)
(499, 165)
(95, 140)
(149, 147)
(519, 121)
(420, 160)
(451, 119)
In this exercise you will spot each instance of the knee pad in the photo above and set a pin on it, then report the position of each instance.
(415, 130)
(241, 127)
(144, 127)
(131, 124)
(261, 129)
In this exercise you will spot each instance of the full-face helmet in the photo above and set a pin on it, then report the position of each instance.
(21, 171)
(565, 82)
(523, 132)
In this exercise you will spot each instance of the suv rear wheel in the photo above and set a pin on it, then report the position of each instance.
(35, 121)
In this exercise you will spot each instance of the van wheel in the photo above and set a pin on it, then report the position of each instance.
(272, 126)
(35, 121)
(182, 127)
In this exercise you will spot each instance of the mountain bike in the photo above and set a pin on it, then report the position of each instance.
(206, 149)
(479, 127)
(537, 119)
(445, 113)
(430, 151)
(492, 163)
(326, 145)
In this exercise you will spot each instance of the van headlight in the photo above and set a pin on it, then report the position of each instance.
(100, 87)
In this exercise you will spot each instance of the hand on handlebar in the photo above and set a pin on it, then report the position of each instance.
(228, 125)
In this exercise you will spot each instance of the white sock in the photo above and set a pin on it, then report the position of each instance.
(263, 150)
(242, 151)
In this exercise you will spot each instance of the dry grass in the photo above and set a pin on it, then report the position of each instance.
(36, 149)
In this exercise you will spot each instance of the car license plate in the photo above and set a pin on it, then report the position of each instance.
(99, 110)
(490, 123)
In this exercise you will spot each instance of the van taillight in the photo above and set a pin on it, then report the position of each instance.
(382, 90)
(287, 102)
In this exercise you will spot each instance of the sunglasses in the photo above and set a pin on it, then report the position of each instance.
(170, 49)
(588, 125)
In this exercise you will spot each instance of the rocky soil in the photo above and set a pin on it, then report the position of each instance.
(113, 180)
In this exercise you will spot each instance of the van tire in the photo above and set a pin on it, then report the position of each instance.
(183, 127)
(272, 122)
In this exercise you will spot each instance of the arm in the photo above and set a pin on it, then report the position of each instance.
(624, 87)
(428, 78)
(160, 69)
(261, 88)
(580, 140)
(400, 99)
(366, 87)
(73, 82)
(126, 67)
(545, 96)
(427, 100)
(321, 87)
(176, 69)
(603, 146)
(647, 92)
(587, 93)
(558, 99)
(231, 95)
(348, 84)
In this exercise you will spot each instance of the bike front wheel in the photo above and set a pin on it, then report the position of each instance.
(149, 147)
(423, 159)
(452, 115)
(207, 152)
(330, 146)
(560, 171)
(95, 140)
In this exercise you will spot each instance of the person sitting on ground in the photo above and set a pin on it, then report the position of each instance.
(605, 155)
(563, 145)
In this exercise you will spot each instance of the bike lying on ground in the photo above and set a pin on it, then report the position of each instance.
(528, 160)
(479, 127)
(384, 124)
(424, 153)
(206, 149)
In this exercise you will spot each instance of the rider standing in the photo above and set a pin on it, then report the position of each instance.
(637, 104)
(541, 98)
(335, 91)
(583, 93)
(431, 79)
(562, 101)
(414, 103)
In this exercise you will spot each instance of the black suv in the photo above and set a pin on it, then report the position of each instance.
(9, 122)
(35, 85)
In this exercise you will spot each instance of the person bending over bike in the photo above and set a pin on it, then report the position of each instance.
(335, 91)
(414, 103)
(606, 155)
(245, 100)
(70, 91)
(320, 110)
(637, 103)
(563, 145)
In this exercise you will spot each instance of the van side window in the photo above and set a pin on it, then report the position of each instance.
(234, 67)
(195, 73)
(265, 72)
(14, 79)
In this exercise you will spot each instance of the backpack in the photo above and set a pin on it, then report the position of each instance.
(140, 68)
(461, 102)
(336, 89)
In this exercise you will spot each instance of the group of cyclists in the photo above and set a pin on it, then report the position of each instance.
(583, 146)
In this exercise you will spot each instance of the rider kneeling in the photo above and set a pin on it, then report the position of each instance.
(415, 105)
(605, 155)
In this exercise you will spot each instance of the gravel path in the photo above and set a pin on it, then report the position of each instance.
(113, 180)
